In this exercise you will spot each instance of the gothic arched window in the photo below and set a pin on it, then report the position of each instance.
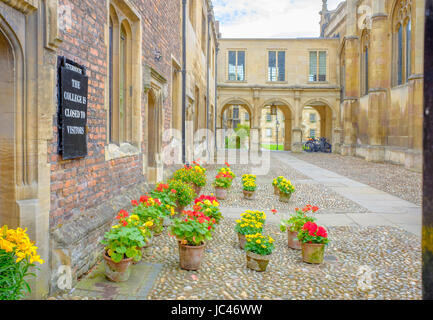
(402, 38)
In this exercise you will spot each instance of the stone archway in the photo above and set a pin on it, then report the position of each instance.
(286, 124)
(8, 214)
(235, 113)
(326, 115)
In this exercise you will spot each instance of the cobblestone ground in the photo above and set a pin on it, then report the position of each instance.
(392, 254)
(307, 192)
(390, 178)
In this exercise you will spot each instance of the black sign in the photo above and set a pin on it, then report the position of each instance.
(73, 86)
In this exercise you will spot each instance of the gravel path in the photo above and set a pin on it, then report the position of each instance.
(307, 192)
(387, 177)
(393, 255)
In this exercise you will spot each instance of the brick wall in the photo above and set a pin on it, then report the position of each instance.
(78, 185)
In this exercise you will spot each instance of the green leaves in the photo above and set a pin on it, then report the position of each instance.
(13, 284)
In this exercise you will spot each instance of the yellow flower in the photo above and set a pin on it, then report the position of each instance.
(149, 223)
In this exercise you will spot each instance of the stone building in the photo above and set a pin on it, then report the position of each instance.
(131, 52)
(364, 76)
(291, 74)
(381, 61)
(202, 47)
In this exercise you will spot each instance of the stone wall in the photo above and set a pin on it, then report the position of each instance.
(79, 185)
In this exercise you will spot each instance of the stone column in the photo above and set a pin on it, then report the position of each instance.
(297, 131)
(351, 101)
(378, 82)
(337, 131)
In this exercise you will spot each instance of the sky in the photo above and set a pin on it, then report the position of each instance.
(270, 18)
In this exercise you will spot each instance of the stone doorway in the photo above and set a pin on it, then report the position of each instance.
(8, 214)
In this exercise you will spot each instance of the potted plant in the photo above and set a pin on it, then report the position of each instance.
(286, 190)
(295, 223)
(145, 229)
(223, 182)
(249, 186)
(166, 197)
(150, 210)
(17, 256)
(192, 232)
(183, 194)
(275, 183)
(209, 205)
(198, 177)
(123, 245)
(313, 239)
(251, 222)
(193, 175)
(259, 249)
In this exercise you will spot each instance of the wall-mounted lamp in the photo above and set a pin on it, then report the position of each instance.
(157, 55)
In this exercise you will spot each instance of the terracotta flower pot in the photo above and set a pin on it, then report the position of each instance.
(190, 257)
(221, 193)
(276, 191)
(313, 253)
(257, 262)
(242, 241)
(285, 197)
(293, 241)
(117, 271)
(249, 195)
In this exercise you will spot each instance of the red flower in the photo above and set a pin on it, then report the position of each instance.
(134, 203)
(122, 215)
(209, 228)
(227, 164)
(144, 199)
(274, 211)
(296, 209)
(173, 191)
(158, 202)
(310, 226)
(124, 223)
(315, 209)
(321, 232)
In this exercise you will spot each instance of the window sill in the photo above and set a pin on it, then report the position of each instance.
(113, 151)
(276, 82)
(318, 82)
(234, 81)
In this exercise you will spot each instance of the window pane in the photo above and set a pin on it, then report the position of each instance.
(366, 70)
(282, 66)
(272, 66)
(312, 117)
(400, 56)
(232, 65)
(247, 116)
(313, 66)
(122, 95)
(111, 82)
(408, 49)
(236, 113)
(269, 117)
(322, 66)
(241, 66)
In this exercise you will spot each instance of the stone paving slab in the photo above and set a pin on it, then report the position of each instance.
(370, 198)
(143, 276)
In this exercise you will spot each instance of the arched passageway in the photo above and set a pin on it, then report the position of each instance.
(7, 134)
(317, 121)
(276, 127)
(237, 117)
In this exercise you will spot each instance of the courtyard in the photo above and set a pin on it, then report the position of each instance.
(371, 211)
